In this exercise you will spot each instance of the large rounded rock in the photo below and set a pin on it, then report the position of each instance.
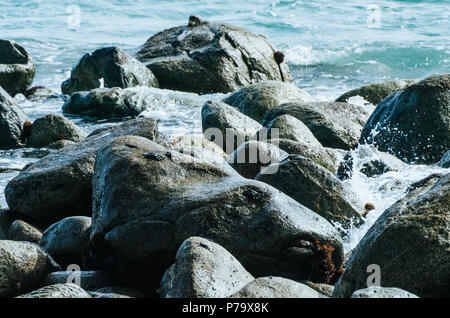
(5, 223)
(375, 93)
(203, 269)
(88, 280)
(67, 240)
(409, 242)
(445, 160)
(227, 126)
(382, 292)
(276, 287)
(314, 152)
(413, 124)
(52, 128)
(257, 99)
(205, 57)
(335, 125)
(148, 200)
(58, 291)
(253, 156)
(12, 121)
(60, 184)
(104, 103)
(17, 69)
(114, 66)
(22, 267)
(22, 231)
(314, 187)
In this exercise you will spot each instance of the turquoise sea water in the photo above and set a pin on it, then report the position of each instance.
(331, 47)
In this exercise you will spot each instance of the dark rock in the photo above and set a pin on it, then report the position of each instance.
(114, 66)
(409, 242)
(375, 93)
(314, 187)
(257, 99)
(58, 291)
(220, 117)
(5, 223)
(67, 240)
(276, 287)
(17, 69)
(23, 265)
(12, 120)
(104, 103)
(382, 292)
(335, 125)
(413, 124)
(22, 231)
(445, 161)
(40, 93)
(210, 58)
(203, 269)
(60, 184)
(253, 156)
(144, 209)
(52, 128)
(60, 144)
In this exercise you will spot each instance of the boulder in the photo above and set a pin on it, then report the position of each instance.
(257, 99)
(203, 269)
(413, 124)
(223, 123)
(375, 93)
(148, 200)
(60, 184)
(22, 231)
(22, 267)
(12, 121)
(52, 128)
(276, 287)
(409, 242)
(5, 223)
(89, 280)
(323, 289)
(314, 152)
(40, 93)
(102, 103)
(253, 156)
(17, 69)
(204, 57)
(314, 187)
(58, 291)
(445, 160)
(108, 67)
(382, 292)
(335, 125)
(67, 239)
(196, 141)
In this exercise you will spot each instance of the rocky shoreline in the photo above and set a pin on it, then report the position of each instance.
(254, 208)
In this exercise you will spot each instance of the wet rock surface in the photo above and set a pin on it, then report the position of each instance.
(12, 121)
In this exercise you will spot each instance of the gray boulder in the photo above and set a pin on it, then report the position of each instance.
(51, 128)
(230, 122)
(23, 265)
(382, 292)
(148, 200)
(335, 125)
(203, 269)
(58, 291)
(17, 69)
(114, 66)
(413, 124)
(67, 240)
(314, 187)
(253, 156)
(375, 93)
(60, 144)
(276, 287)
(257, 99)
(60, 184)
(89, 280)
(104, 103)
(409, 242)
(22, 231)
(204, 57)
(40, 93)
(445, 160)
(12, 121)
